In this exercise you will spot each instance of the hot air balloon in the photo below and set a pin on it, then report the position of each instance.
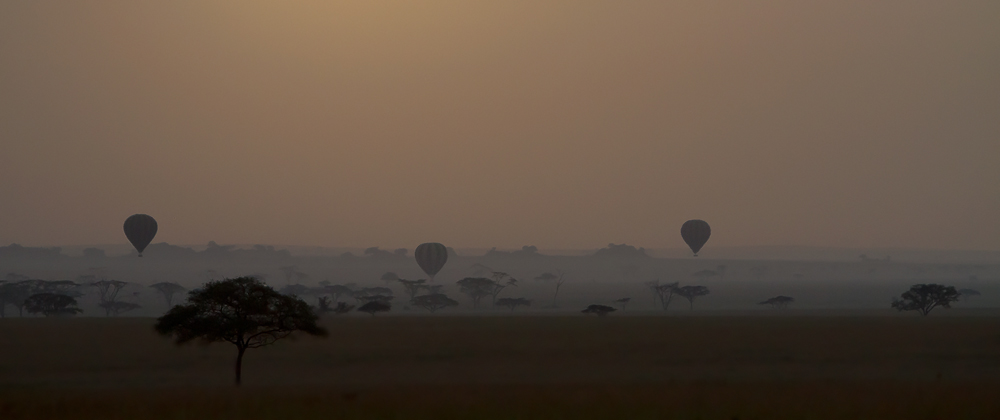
(695, 234)
(140, 230)
(431, 257)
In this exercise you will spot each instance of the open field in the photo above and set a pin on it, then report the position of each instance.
(516, 367)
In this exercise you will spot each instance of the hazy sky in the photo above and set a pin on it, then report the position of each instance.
(559, 124)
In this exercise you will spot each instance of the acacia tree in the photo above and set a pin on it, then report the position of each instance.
(242, 311)
(433, 302)
(691, 293)
(412, 287)
(51, 304)
(108, 293)
(778, 302)
(558, 278)
(16, 288)
(600, 310)
(663, 293)
(375, 306)
(13, 293)
(167, 289)
(476, 288)
(375, 298)
(652, 286)
(500, 281)
(513, 303)
(925, 297)
(370, 294)
(623, 302)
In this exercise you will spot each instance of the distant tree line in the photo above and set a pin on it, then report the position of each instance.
(58, 297)
(663, 294)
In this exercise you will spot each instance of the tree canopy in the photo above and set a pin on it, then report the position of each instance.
(433, 302)
(375, 306)
(600, 310)
(664, 293)
(623, 302)
(691, 293)
(242, 311)
(168, 289)
(476, 288)
(925, 297)
(513, 303)
(15, 289)
(778, 302)
(51, 304)
(412, 287)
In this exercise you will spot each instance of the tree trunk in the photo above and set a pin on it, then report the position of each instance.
(239, 365)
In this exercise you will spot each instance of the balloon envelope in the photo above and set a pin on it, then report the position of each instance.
(695, 233)
(140, 230)
(431, 257)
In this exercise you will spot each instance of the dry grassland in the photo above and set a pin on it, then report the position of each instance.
(779, 367)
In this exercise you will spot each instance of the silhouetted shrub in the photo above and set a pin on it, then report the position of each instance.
(600, 310)
(375, 306)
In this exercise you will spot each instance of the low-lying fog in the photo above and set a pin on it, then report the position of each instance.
(738, 279)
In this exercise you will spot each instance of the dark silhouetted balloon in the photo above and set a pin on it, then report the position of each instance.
(431, 257)
(140, 230)
(695, 234)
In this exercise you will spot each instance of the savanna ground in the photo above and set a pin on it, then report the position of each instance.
(571, 367)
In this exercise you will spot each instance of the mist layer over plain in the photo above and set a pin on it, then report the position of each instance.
(558, 124)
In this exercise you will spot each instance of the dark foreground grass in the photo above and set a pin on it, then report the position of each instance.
(872, 400)
(515, 367)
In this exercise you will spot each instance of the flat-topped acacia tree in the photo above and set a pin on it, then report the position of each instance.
(513, 303)
(925, 297)
(691, 293)
(168, 289)
(433, 302)
(242, 311)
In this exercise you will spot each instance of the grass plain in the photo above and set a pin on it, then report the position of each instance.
(571, 367)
